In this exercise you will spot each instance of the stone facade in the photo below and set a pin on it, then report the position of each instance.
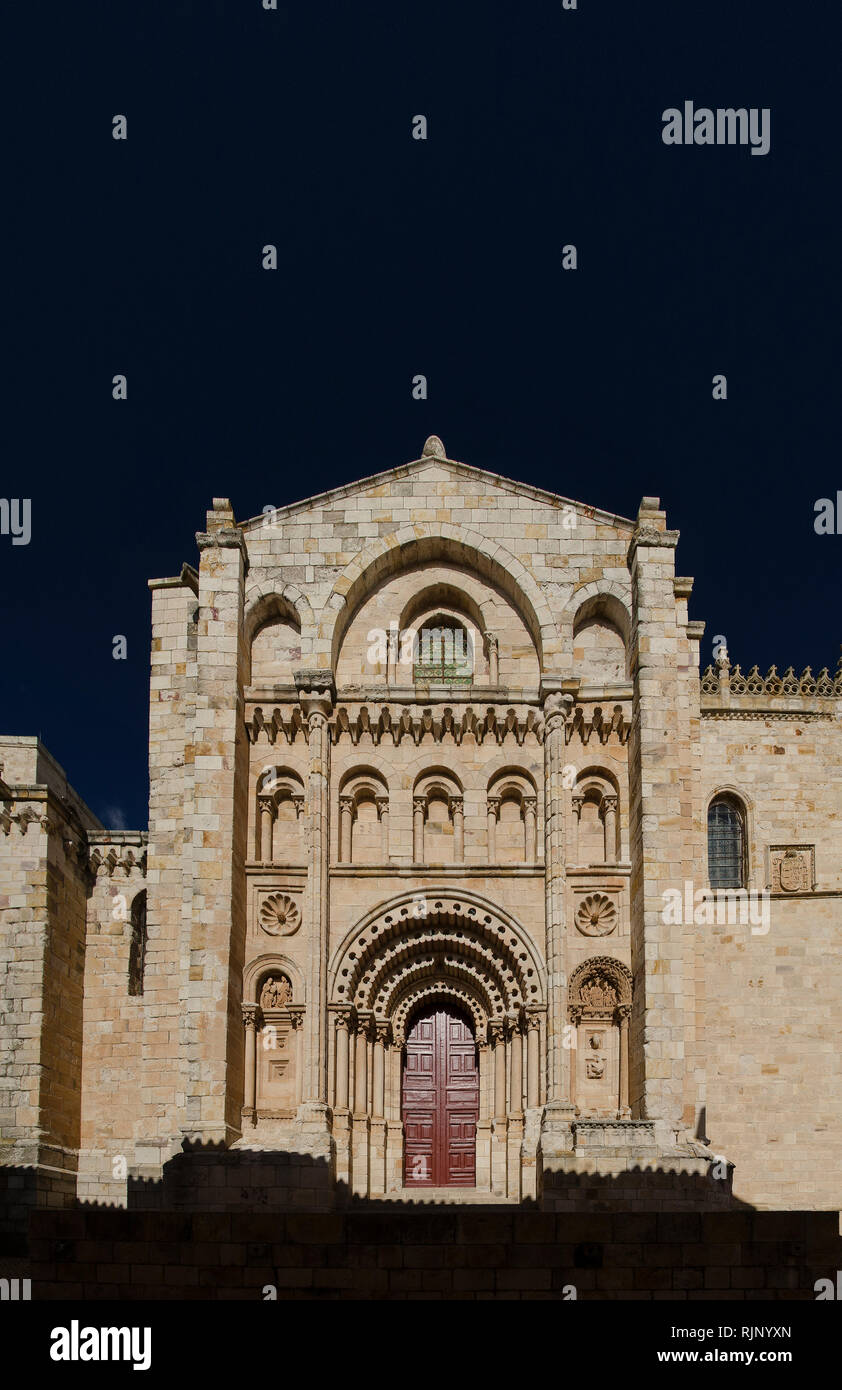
(434, 739)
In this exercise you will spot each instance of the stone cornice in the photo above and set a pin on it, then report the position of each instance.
(391, 870)
(390, 724)
(764, 712)
(118, 849)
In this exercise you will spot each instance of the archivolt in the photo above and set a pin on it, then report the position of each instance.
(437, 938)
(417, 992)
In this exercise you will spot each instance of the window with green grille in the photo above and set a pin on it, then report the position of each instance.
(726, 844)
(444, 653)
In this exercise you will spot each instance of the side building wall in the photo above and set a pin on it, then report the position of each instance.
(772, 1000)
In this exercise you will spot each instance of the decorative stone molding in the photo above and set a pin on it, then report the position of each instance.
(391, 724)
(730, 679)
(595, 724)
(108, 853)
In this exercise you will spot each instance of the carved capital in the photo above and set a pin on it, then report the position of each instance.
(494, 806)
(382, 804)
(382, 1031)
(346, 803)
(419, 803)
(492, 642)
(557, 708)
(316, 693)
(251, 1015)
(457, 805)
(609, 803)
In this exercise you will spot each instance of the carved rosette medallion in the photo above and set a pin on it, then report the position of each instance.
(596, 915)
(279, 915)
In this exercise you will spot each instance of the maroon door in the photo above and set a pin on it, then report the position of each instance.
(440, 1101)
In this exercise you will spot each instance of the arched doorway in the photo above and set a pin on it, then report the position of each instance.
(440, 1099)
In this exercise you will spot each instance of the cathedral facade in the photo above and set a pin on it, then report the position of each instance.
(461, 881)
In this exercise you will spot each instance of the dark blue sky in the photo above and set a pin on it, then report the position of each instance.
(400, 257)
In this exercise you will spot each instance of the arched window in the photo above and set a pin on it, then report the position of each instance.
(726, 843)
(444, 652)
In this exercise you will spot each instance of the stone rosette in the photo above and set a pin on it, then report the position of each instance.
(279, 915)
(596, 915)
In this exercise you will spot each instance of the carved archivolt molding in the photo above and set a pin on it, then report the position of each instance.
(416, 994)
(437, 937)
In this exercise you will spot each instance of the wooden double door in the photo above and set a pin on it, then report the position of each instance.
(440, 1101)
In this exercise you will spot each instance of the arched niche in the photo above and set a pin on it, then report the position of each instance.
(599, 1006)
(279, 816)
(595, 829)
(438, 818)
(599, 628)
(363, 817)
(273, 634)
(512, 808)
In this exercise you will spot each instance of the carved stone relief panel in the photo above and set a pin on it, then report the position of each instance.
(277, 910)
(598, 1068)
(596, 912)
(792, 868)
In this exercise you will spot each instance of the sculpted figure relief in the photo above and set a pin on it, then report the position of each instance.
(276, 993)
(598, 993)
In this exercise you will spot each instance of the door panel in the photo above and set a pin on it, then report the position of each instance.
(440, 1102)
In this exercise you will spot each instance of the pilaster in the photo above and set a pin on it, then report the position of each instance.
(212, 1033)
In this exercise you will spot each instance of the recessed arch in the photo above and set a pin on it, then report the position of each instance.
(418, 993)
(599, 598)
(257, 970)
(444, 596)
(437, 934)
(608, 966)
(422, 544)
